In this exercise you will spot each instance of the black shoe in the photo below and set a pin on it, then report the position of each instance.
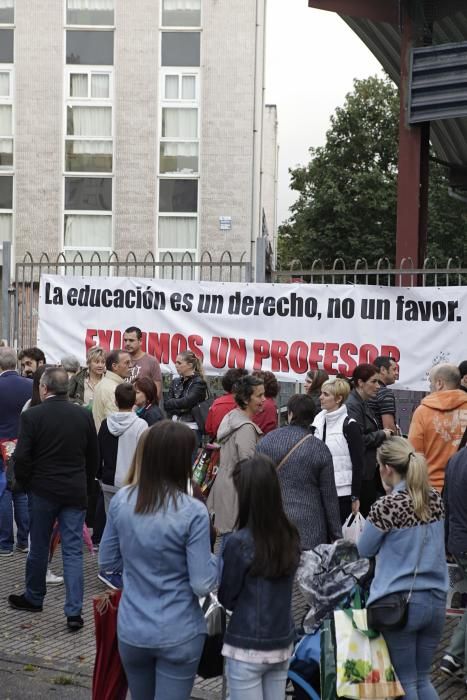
(20, 602)
(74, 623)
(451, 667)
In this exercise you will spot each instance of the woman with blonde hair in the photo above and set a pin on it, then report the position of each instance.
(186, 391)
(344, 438)
(83, 383)
(405, 532)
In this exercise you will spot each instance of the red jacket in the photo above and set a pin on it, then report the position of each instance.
(220, 407)
(267, 418)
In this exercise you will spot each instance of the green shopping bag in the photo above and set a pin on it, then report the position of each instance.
(327, 666)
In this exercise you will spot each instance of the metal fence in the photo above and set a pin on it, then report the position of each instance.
(431, 274)
(20, 313)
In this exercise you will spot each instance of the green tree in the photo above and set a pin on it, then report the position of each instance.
(347, 194)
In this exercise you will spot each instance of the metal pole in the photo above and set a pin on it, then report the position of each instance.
(260, 267)
(6, 277)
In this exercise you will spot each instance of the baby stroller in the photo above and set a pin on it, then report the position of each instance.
(326, 577)
(304, 672)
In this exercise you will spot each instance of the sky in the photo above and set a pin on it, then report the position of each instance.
(312, 57)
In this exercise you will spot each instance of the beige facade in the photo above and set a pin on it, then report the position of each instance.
(223, 156)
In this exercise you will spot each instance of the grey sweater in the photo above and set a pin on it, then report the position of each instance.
(307, 484)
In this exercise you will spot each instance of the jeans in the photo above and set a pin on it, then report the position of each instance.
(458, 646)
(16, 503)
(43, 514)
(252, 681)
(161, 673)
(108, 492)
(413, 647)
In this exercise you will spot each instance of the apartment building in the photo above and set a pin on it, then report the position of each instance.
(135, 125)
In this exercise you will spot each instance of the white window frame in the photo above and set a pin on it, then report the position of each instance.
(9, 212)
(8, 25)
(180, 104)
(178, 215)
(86, 212)
(77, 69)
(180, 73)
(85, 26)
(88, 102)
(9, 101)
(177, 27)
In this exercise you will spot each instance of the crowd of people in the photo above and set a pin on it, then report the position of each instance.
(101, 447)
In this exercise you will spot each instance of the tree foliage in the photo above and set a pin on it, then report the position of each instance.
(347, 194)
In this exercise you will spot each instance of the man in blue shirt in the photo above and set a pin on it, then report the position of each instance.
(14, 392)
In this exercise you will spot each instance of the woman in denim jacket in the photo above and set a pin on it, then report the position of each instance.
(159, 536)
(405, 532)
(260, 560)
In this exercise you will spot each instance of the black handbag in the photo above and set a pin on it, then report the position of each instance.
(391, 611)
(200, 412)
(388, 613)
(211, 663)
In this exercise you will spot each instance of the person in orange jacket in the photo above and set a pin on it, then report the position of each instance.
(438, 424)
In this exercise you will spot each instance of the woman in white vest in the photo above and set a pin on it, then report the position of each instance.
(343, 437)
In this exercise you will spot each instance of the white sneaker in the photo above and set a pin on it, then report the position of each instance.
(52, 579)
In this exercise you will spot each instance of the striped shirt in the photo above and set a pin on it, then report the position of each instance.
(383, 404)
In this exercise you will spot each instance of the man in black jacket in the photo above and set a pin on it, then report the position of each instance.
(56, 460)
(454, 662)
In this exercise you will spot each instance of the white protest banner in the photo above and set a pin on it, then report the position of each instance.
(286, 328)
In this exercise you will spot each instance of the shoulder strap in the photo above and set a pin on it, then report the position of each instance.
(289, 453)
(347, 421)
(247, 422)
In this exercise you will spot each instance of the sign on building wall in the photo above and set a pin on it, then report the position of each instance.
(286, 328)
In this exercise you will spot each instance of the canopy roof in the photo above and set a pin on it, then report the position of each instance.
(377, 23)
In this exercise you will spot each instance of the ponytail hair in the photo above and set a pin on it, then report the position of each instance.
(398, 453)
(194, 361)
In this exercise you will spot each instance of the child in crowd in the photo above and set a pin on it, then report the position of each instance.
(259, 564)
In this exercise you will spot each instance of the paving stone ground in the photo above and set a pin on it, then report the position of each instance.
(40, 658)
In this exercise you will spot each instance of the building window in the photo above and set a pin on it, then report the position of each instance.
(177, 232)
(7, 11)
(6, 46)
(6, 208)
(88, 156)
(6, 119)
(179, 123)
(89, 121)
(178, 221)
(88, 145)
(94, 85)
(90, 48)
(6, 192)
(88, 193)
(90, 12)
(88, 213)
(178, 195)
(87, 218)
(180, 49)
(88, 232)
(180, 86)
(5, 84)
(181, 13)
(6, 226)
(178, 157)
